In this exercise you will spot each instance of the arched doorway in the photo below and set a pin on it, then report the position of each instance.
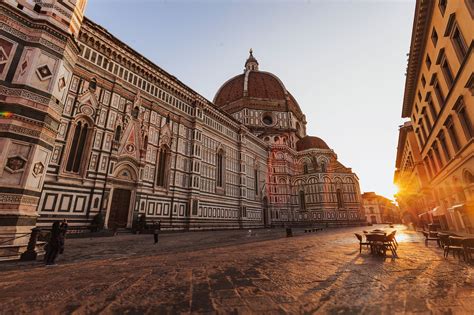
(119, 208)
(265, 211)
(123, 194)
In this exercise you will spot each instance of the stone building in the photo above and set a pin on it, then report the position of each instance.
(90, 127)
(435, 157)
(378, 209)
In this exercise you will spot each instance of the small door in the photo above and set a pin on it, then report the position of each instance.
(265, 211)
(119, 208)
(373, 219)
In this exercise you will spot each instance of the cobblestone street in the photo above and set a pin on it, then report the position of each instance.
(233, 271)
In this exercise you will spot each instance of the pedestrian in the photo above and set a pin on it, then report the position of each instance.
(142, 223)
(54, 245)
(156, 230)
(62, 235)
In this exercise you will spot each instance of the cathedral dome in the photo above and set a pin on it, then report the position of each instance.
(256, 89)
(309, 142)
(257, 84)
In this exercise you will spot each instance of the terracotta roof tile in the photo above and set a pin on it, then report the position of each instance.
(309, 142)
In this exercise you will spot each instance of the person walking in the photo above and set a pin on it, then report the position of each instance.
(156, 230)
(53, 246)
(62, 235)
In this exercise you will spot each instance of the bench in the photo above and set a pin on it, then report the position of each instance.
(14, 251)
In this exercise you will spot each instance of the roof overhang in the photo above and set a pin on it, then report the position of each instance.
(421, 21)
(403, 131)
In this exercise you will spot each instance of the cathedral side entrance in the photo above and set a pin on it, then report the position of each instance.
(124, 185)
(119, 209)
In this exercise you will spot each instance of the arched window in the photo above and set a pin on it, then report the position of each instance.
(323, 167)
(220, 169)
(302, 200)
(96, 202)
(135, 112)
(118, 132)
(340, 198)
(315, 163)
(468, 178)
(163, 161)
(145, 143)
(76, 152)
(305, 168)
(93, 84)
(255, 174)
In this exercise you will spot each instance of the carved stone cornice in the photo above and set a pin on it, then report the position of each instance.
(423, 13)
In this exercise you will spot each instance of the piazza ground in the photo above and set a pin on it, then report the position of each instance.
(239, 272)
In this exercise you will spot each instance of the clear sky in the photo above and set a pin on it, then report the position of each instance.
(343, 61)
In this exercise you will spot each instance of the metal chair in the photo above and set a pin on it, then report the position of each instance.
(361, 243)
(431, 236)
(468, 245)
(390, 243)
(443, 241)
(377, 243)
(455, 245)
(393, 240)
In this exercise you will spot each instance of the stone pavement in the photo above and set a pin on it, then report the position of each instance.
(234, 272)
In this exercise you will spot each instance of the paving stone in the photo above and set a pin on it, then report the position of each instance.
(228, 272)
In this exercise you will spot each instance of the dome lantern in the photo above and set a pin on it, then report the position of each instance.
(251, 63)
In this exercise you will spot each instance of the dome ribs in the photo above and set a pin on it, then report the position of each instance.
(310, 142)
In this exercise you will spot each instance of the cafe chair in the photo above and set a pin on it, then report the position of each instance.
(361, 243)
(468, 245)
(455, 245)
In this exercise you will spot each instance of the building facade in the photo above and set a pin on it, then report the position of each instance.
(435, 157)
(378, 209)
(106, 132)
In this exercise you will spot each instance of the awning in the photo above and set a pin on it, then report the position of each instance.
(459, 208)
(424, 213)
(438, 211)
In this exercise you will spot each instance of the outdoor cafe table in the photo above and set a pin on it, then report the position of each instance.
(375, 246)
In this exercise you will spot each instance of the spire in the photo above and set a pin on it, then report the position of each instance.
(251, 63)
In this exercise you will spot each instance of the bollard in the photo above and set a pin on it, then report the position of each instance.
(30, 253)
(289, 232)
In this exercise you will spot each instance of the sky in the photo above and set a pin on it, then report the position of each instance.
(343, 61)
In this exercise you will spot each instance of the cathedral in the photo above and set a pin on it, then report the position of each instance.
(90, 128)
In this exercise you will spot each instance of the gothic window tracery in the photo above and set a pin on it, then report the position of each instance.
(340, 198)
(118, 132)
(77, 149)
(302, 200)
(220, 168)
(163, 165)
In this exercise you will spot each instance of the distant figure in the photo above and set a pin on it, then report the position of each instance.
(53, 246)
(115, 228)
(156, 230)
(142, 223)
(62, 235)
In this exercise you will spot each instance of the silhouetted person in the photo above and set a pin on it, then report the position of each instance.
(62, 232)
(142, 223)
(156, 230)
(54, 244)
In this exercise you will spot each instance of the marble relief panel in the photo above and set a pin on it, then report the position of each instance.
(7, 51)
(15, 163)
